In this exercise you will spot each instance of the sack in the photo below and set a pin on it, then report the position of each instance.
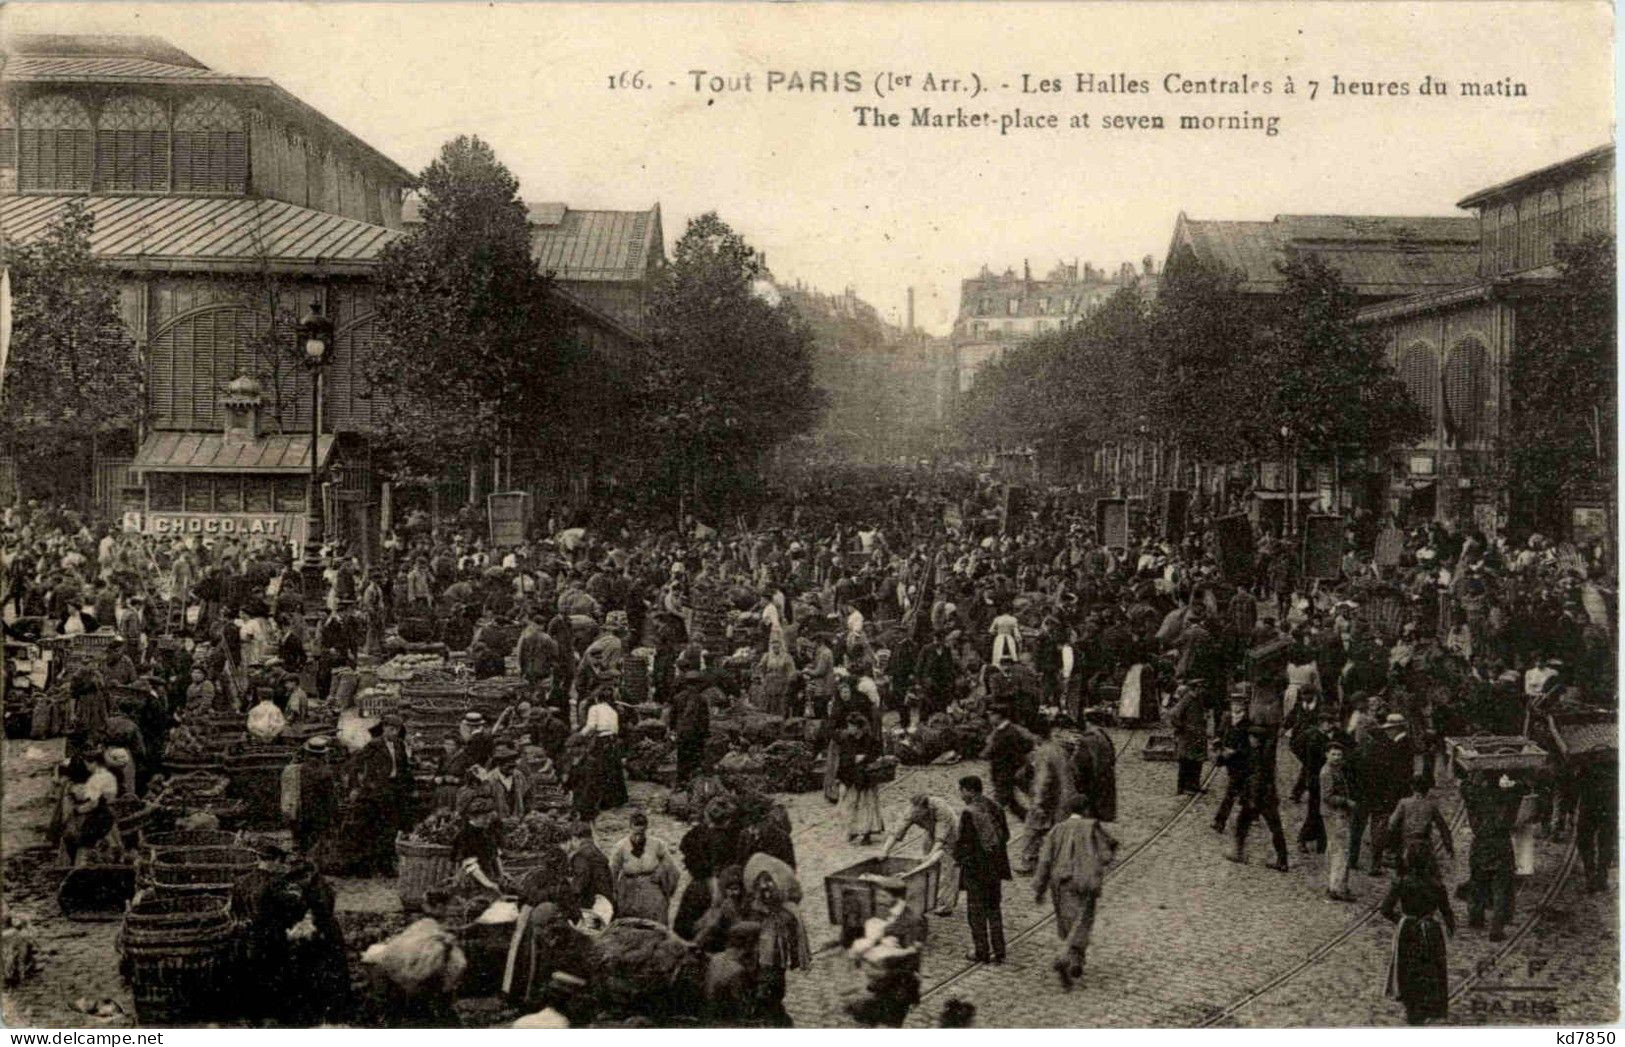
(422, 954)
(266, 722)
(290, 793)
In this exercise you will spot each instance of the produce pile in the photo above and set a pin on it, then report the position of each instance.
(421, 667)
(190, 790)
(536, 831)
(942, 734)
(644, 758)
(638, 967)
(185, 743)
(438, 828)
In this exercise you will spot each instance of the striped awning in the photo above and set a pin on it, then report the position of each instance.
(285, 454)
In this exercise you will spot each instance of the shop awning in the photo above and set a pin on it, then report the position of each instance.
(286, 454)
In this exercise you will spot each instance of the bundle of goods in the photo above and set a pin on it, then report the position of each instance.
(425, 857)
(417, 630)
(646, 759)
(177, 953)
(639, 967)
(424, 958)
(178, 871)
(923, 745)
(690, 804)
(51, 712)
(753, 728)
(793, 767)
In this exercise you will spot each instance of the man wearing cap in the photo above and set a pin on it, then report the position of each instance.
(1236, 755)
(318, 797)
(1492, 806)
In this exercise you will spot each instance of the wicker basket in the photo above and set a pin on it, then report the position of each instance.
(188, 764)
(195, 870)
(422, 866)
(153, 916)
(179, 976)
(191, 838)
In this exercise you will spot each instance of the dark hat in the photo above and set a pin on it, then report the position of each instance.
(504, 754)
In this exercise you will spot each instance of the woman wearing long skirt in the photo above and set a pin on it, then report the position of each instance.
(645, 874)
(1418, 971)
(774, 673)
(860, 794)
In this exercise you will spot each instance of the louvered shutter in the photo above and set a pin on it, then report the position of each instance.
(56, 144)
(211, 147)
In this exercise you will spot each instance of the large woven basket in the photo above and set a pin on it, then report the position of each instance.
(422, 866)
(180, 977)
(183, 839)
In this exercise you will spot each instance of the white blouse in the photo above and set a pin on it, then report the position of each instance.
(602, 719)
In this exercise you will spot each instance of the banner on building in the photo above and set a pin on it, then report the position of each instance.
(1111, 522)
(508, 513)
(1323, 546)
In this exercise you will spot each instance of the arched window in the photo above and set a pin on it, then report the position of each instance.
(132, 144)
(8, 135)
(54, 145)
(1419, 370)
(1506, 239)
(1550, 233)
(211, 147)
(1597, 218)
(1468, 392)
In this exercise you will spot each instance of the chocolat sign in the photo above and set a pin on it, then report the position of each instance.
(281, 526)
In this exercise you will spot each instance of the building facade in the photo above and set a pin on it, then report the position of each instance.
(225, 206)
(1451, 346)
(998, 310)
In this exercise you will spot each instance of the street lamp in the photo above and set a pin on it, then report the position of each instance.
(1292, 463)
(315, 341)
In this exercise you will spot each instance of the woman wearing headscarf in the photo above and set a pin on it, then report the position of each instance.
(784, 945)
(859, 748)
(775, 672)
(645, 874)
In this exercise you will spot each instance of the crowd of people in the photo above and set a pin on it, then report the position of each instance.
(878, 607)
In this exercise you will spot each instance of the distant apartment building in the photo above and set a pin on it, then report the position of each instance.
(998, 310)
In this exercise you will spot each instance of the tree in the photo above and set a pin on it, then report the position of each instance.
(1205, 339)
(1564, 406)
(476, 354)
(731, 375)
(73, 373)
(1325, 381)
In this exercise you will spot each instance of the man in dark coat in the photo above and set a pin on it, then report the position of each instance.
(984, 863)
(318, 797)
(589, 869)
(1094, 772)
(1189, 721)
(1006, 752)
(1492, 806)
(1236, 755)
(690, 725)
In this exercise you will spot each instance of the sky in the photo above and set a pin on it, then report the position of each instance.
(880, 210)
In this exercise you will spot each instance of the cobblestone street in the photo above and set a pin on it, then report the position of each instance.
(1183, 938)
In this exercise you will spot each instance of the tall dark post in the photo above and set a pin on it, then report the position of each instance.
(315, 340)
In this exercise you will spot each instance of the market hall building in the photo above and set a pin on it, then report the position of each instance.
(1452, 346)
(225, 206)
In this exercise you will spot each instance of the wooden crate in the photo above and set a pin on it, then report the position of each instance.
(853, 897)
